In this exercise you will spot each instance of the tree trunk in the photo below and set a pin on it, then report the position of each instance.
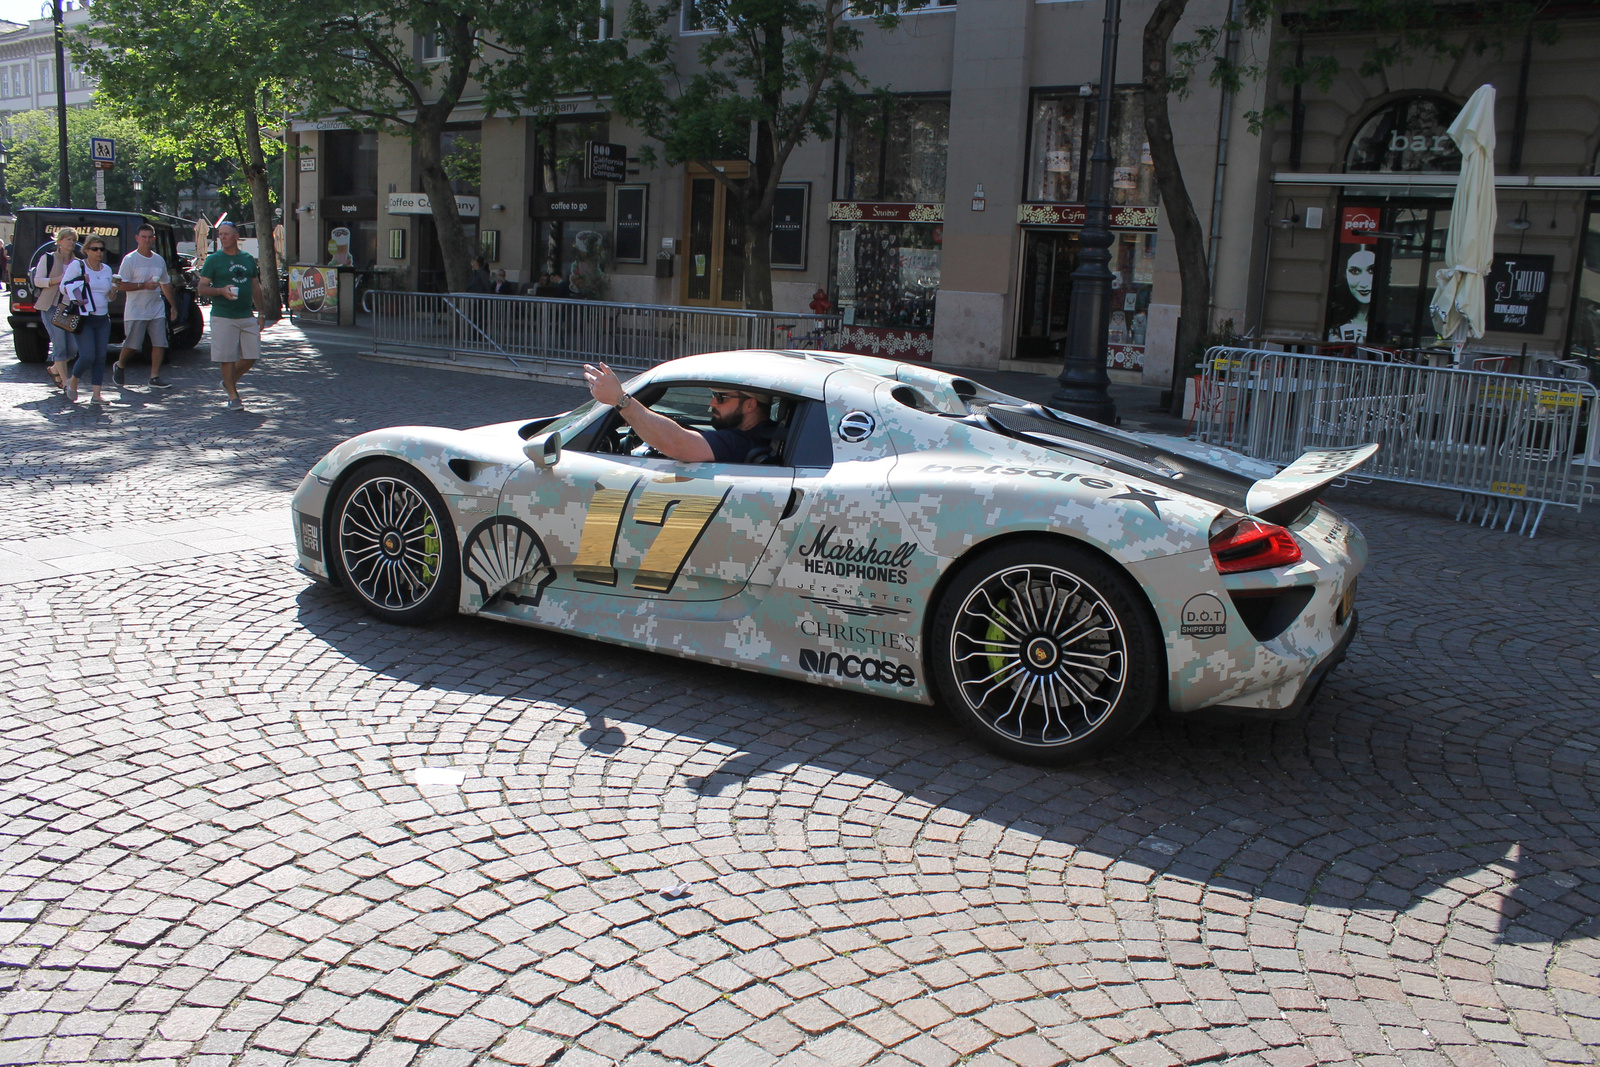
(757, 211)
(453, 246)
(1188, 238)
(261, 201)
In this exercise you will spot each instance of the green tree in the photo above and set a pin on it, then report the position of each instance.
(1393, 31)
(201, 78)
(32, 170)
(772, 79)
(404, 67)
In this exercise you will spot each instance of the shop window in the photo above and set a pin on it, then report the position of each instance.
(887, 273)
(1383, 273)
(896, 152)
(1584, 337)
(572, 256)
(1407, 136)
(1061, 144)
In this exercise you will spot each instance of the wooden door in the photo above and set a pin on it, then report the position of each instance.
(713, 240)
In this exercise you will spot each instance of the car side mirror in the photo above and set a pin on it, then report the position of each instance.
(544, 449)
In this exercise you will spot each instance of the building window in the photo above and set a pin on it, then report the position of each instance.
(349, 162)
(1584, 337)
(461, 155)
(1407, 136)
(896, 152)
(1061, 143)
(699, 17)
(429, 48)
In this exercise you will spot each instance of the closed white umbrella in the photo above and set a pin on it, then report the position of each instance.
(1458, 311)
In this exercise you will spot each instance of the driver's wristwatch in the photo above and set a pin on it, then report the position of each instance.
(623, 402)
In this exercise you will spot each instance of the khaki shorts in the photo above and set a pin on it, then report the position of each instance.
(135, 329)
(234, 339)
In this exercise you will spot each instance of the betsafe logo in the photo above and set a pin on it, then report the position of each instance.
(816, 661)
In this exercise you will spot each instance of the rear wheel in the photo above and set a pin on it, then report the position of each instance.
(1046, 652)
(32, 344)
(185, 333)
(394, 544)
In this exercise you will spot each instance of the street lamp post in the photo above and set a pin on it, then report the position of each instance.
(138, 193)
(1083, 379)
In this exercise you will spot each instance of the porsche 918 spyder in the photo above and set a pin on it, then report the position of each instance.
(904, 532)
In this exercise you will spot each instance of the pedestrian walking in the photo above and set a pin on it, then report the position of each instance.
(479, 281)
(142, 276)
(231, 277)
(48, 266)
(88, 281)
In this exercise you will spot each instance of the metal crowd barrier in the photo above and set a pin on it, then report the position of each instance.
(1508, 443)
(548, 331)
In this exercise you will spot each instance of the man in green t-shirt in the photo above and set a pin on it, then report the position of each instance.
(232, 279)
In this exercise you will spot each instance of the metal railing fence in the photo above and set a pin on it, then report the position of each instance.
(1507, 442)
(551, 331)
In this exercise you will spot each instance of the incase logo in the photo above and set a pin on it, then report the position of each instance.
(814, 661)
(850, 560)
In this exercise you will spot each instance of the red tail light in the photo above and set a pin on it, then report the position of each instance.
(1250, 545)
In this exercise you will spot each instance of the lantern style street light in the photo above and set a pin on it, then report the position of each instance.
(1084, 380)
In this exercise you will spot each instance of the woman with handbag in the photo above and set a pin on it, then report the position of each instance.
(89, 283)
(47, 271)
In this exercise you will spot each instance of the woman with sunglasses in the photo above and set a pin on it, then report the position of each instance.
(51, 263)
(90, 285)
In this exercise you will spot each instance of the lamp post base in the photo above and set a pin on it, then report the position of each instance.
(1086, 402)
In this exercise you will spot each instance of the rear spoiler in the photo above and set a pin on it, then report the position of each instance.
(1285, 495)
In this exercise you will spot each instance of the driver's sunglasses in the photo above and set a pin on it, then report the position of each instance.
(720, 398)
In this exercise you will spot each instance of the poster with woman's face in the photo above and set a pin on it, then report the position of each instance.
(1357, 298)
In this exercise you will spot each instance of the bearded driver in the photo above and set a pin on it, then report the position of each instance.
(738, 417)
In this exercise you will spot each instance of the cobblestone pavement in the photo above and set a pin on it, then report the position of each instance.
(242, 823)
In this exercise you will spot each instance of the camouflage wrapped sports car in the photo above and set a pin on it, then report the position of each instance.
(905, 532)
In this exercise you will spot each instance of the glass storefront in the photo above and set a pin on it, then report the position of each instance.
(888, 214)
(1383, 272)
(575, 253)
(1048, 260)
(1584, 334)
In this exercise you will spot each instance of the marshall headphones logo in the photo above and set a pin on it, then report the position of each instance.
(849, 560)
(815, 661)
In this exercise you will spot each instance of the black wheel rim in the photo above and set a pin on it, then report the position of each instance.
(389, 544)
(1039, 656)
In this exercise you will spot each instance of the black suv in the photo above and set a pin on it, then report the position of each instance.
(35, 235)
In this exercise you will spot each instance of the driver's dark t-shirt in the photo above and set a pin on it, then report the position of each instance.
(732, 446)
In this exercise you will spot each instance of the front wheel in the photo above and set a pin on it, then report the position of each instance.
(1046, 652)
(394, 544)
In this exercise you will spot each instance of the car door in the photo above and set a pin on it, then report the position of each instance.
(646, 527)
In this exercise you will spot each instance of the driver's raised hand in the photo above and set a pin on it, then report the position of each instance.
(603, 383)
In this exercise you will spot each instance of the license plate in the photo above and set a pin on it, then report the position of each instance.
(1347, 604)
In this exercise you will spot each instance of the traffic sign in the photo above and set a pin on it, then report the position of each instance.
(103, 150)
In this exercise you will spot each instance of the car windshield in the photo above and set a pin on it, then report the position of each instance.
(565, 425)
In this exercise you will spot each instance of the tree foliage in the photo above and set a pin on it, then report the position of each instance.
(202, 79)
(773, 75)
(32, 169)
(404, 68)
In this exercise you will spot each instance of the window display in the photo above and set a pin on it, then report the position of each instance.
(887, 274)
(1585, 332)
(1062, 144)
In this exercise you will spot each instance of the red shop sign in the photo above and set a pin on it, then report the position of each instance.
(1358, 226)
